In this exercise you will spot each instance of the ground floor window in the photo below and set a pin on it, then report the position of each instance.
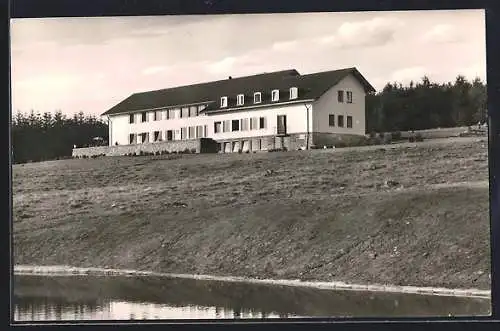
(244, 124)
(132, 139)
(340, 121)
(235, 125)
(157, 136)
(145, 137)
(170, 135)
(262, 123)
(349, 121)
(192, 132)
(217, 127)
(331, 120)
(263, 144)
(254, 124)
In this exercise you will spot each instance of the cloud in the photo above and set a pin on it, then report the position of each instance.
(285, 46)
(154, 70)
(442, 34)
(375, 32)
(222, 66)
(405, 75)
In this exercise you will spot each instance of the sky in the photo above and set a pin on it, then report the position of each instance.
(91, 64)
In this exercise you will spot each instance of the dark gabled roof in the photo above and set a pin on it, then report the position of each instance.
(310, 86)
(199, 93)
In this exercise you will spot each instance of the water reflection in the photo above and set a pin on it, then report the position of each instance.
(33, 309)
(39, 298)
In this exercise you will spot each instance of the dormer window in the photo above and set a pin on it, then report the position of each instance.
(294, 93)
(223, 102)
(257, 97)
(276, 95)
(241, 99)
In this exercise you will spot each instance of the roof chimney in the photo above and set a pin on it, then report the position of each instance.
(230, 77)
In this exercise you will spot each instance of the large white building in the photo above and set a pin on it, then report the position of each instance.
(259, 112)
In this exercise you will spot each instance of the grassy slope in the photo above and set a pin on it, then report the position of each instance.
(311, 215)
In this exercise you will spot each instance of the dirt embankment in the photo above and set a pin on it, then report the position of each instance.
(409, 216)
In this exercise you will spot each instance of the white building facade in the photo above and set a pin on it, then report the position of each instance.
(292, 115)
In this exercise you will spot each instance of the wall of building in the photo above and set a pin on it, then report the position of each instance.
(121, 128)
(328, 104)
(296, 116)
(296, 123)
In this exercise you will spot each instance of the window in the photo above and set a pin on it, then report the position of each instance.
(331, 120)
(171, 114)
(199, 131)
(281, 124)
(192, 132)
(157, 115)
(340, 96)
(193, 111)
(275, 95)
(349, 121)
(241, 99)
(257, 97)
(131, 118)
(226, 126)
(263, 144)
(244, 124)
(256, 145)
(145, 137)
(184, 112)
(144, 117)
(262, 123)
(254, 124)
(157, 136)
(201, 107)
(170, 135)
(294, 93)
(223, 102)
(217, 127)
(340, 121)
(132, 139)
(183, 133)
(205, 131)
(235, 125)
(349, 96)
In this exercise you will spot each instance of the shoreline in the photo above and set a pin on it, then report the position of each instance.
(62, 270)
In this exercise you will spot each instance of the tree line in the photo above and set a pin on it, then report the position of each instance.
(417, 106)
(426, 105)
(40, 137)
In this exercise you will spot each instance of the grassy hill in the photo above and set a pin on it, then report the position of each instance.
(407, 215)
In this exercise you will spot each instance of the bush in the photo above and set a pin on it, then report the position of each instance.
(374, 141)
(396, 135)
(341, 144)
(272, 150)
(419, 138)
(193, 150)
(373, 134)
